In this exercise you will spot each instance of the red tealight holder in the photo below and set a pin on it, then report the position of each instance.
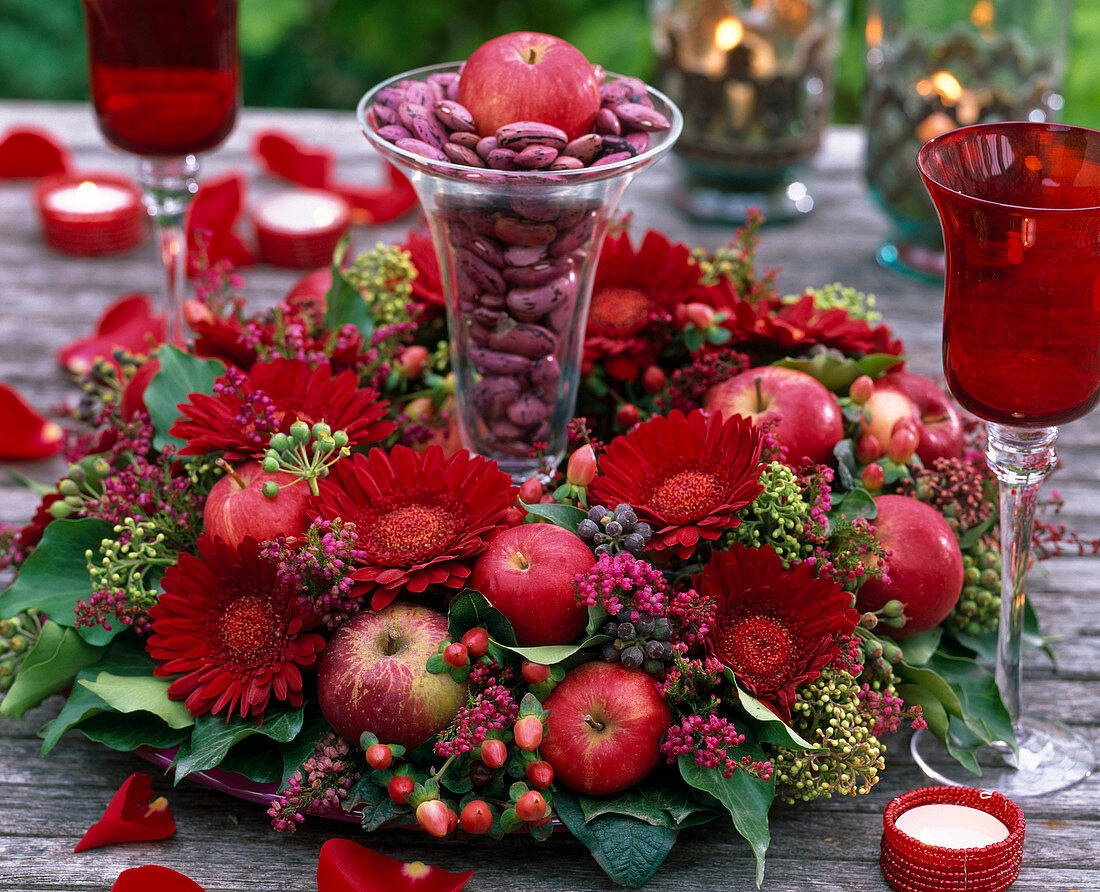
(971, 841)
(300, 228)
(91, 214)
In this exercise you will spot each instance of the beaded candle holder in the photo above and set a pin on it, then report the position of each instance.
(912, 865)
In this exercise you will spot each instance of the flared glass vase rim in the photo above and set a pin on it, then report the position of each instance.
(464, 172)
(933, 144)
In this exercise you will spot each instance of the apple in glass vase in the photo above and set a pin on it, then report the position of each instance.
(604, 731)
(237, 508)
(808, 421)
(373, 676)
(527, 76)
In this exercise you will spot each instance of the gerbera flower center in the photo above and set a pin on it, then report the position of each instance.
(408, 534)
(685, 495)
(758, 647)
(619, 312)
(249, 631)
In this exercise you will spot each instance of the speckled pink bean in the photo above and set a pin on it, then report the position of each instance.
(482, 274)
(571, 218)
(453, 115)
(530, 303)
(566, 162)
(520, 134)
(635, 116)
(390, 97)
(419, 147)
(485, 248)
(541, 210)
(494, 362)
(394, 132)
(639, 140)
(423, 125)
(575, 237)
(492, 301)
(524, 255)
(485, 145)
(560, 319)
(506, 430)
(492, 395)
(518, 448)
(515, 231)
(546, 375)
(479, 333)
(532, 341)
(528, 410)
(539, 273)
(585, 147)
(485, 316)
(420, 93)
(466, 140)
(383, 115)
(625, 89)
(442, 78)
(607, 122)
(501, 159)
(613, 158)
(535, 158)
(462, 155)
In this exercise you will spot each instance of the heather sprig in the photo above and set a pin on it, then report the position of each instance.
(709, 740)
(491, 709)
(319, 786)
(736, 262)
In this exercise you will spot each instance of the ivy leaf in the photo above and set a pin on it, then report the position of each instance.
(214, 736)
(629, 850)
(838, 374)
(961, 743)
(255, 760)
(52, 664)
(128, 694)
(552, 654)
(55, 576)
(745, 798)
(180, 375)
(82, 704)
(662, 805)
(344, 305)
(774, 730)
(469, 610)
(918, 649)
(301, 747)
(983, 710)
(565, 516)
(970, 538)
(137, 730)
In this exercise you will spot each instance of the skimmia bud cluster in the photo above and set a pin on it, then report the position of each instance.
(612, 532)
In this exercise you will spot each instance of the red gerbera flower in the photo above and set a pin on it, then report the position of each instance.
(427, 287)
(244, 411)
(686, 476)
(775, 628)
(634, 300)
(422, 518)
(793, 328)
(231, 630)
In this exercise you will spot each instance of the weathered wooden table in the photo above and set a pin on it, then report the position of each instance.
(226, 844)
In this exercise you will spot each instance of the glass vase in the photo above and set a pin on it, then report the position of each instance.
(517, 252)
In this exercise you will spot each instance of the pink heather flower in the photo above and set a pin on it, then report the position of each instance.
(318, 787)
(492, 710)
(888, 709)
(710, 739)
(620, 581)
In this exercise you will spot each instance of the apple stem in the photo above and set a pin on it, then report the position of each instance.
(759, 393)
(593, 724)
(228, 468)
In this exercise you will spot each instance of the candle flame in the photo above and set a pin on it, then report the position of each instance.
(86, 193)
(324, 216)
(729, 33)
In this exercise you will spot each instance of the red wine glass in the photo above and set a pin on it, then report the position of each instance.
(165, 82)
(1019, 204)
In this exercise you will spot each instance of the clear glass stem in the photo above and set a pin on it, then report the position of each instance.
(167, 186)
(1021, 458)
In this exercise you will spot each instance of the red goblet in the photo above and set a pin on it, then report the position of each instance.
(165, 79)
(1020, 208)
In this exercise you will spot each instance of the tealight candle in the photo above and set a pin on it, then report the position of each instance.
(91, 213)
(951, 826)
(300, 228)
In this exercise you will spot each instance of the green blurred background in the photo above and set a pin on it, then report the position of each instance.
(325, 53)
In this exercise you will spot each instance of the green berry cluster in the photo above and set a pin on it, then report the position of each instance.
(81, 487)
(836, 296)
(827, 713)
(641, 643)
(777, 517)
(132, 562)
(17, 637)
(979, 605)
(305, 452)
(384, 277)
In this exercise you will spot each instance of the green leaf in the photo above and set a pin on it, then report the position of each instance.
(931, 708)
(774, 730)
(661, 804)
(932, 682)
(180, 375)
(838, 374)
(469, 610)
(1033, 638)
(136, 730)
(51, 665)
(983, 711)
(565, 516)
(918, 649)
(961, 743)
(551, 654)
(255, 760)
(745, 798)
(81, 705)
(55, 576)
(37, 488)
(597, 619)
(128, 694)
(344, 304)
(855, 504)
(629, 850)
(970, 538)
(214, 736)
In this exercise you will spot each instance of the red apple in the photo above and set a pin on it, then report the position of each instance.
(526, 76)
(925, 565)
(605, 728)
(809, 421)
(373, 677)
(237, 508)
(902, 395)
(526, 573)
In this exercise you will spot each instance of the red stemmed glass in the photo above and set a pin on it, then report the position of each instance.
(165, 81)
(1019, 204)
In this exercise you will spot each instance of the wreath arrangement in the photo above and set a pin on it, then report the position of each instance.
(270, 556)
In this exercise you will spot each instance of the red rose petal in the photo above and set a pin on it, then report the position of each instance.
(211, 218)
(30, 152)
(153, 876)
(345, 866)
(378, 204)
(25, 435)
(131, 817)
(283, 156)
(129, 323)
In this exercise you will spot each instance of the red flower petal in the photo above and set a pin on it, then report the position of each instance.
(345, 866)
(211, 217)
(283, 156)
(153, 876)
(30, 152)
(131, 817)
(25, 434)
(378, 204)
(129, 323)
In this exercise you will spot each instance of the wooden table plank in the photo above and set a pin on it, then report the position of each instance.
(226, 845)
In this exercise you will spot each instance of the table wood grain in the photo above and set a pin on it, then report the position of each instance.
(227, 845)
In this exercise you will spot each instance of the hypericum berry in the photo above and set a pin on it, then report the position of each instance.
(535, 673)
(456, 655)
(873, 477)
(421, 409)
(699, 315)
(435, 817)
(494, 753)
(481, 774)
(582, 466)
(868, 449)
(528, 733)
(379, 756)
(531, 806)
(540, 775)
(654, 379)
(399, 788)
(531, 490)
(476, 641)
(903, 443)
(410, 364)
(476, 817)
(861, 390)
(628, 415)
